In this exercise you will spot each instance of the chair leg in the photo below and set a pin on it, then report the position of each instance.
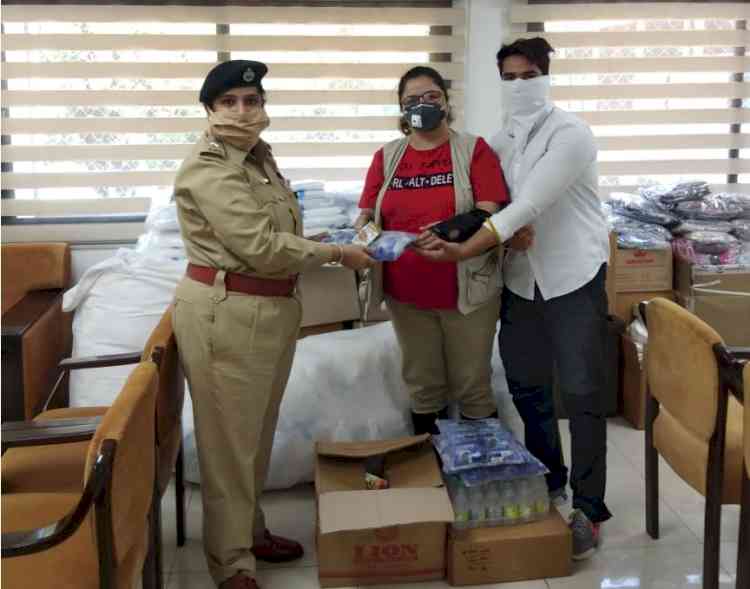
(651, 470)
(743, 543)
(153, 577)
(179, 491)
(712, 536)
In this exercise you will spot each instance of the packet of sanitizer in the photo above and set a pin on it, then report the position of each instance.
(367, 234)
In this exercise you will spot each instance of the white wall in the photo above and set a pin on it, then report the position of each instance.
(486, 29)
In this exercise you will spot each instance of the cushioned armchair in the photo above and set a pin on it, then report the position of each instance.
(692, 421)
(58, 468)
(97, 538)
(36, 333)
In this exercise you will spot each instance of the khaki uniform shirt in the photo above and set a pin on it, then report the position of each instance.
(237, 214)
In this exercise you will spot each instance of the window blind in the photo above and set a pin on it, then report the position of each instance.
(100, 102)
(663, 84)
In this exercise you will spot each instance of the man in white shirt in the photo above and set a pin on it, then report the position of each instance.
(554, 304)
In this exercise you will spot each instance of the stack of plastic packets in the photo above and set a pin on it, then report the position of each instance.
(323, 210)
(492, 479)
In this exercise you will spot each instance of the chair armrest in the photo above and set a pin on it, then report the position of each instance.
(100, 361)
(103, 361)
(740, 353)
(730, 370)
(25, 542)
(21, 316)
(45, 432)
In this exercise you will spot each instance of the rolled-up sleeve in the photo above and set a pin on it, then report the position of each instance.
(570, 151)
(244, 224)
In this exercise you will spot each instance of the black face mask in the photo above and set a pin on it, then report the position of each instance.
(424, 116)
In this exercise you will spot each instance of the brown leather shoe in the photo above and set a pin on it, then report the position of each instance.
(239, 581)
(277, 549)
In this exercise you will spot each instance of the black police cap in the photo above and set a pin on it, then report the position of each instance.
(231, 74)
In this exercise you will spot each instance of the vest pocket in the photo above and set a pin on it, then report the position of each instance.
(481, 275)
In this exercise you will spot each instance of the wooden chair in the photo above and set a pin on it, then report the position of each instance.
(36, 334)
(743, 542)
(691, 420)
(58, 468)
(97, 538)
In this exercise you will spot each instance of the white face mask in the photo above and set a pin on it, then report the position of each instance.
(525, 98)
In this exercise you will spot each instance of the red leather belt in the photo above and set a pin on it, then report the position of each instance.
(251, 285)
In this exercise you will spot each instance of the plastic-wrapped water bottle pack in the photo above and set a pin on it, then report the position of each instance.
(498, 503)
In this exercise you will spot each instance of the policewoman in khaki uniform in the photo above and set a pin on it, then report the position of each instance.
(237, 314)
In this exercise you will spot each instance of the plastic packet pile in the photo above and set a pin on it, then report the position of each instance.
(325, 209)
(714, 230)
(632, 231)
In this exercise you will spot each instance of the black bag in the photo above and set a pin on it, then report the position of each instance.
(461, 227)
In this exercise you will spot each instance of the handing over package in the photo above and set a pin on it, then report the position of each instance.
(383, 246)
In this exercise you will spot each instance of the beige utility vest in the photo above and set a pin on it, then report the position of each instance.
(479, 278)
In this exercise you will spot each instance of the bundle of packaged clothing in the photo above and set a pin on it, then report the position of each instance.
(704, 228)
(325, 209)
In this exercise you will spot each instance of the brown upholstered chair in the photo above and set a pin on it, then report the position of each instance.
(691, 420)
(36, 334)
(97, 536)
(743, 543)
(58, 468)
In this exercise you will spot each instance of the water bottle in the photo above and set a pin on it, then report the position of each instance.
(525, 500)
(461, 505)
(509, 502)
(493, 501)
(541, 496)
(478, 507)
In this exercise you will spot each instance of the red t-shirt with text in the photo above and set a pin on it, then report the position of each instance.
(422, 193)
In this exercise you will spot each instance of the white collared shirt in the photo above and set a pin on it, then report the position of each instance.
(553, 183)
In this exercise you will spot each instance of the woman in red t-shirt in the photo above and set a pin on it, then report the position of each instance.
(446, 354)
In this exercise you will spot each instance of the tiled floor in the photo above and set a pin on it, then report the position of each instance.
(629, 558)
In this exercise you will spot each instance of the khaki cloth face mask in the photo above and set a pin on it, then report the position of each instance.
(239, 129)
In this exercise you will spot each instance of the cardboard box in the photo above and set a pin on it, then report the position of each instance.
(721, 299)
(329, 295)
(394, 535)
(643, 270)
(633, 385)
(627, 300)
(484, 556)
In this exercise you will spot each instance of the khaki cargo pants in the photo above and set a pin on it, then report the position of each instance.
(447, 356)
(237, 353)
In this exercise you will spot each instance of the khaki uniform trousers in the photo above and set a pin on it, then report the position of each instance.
(237, 353)
(447, 356)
